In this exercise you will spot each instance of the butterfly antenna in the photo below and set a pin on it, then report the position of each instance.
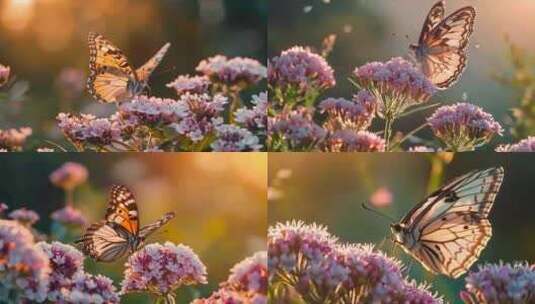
(368, 208)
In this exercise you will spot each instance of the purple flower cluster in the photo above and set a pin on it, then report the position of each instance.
(14, 139)
(296, 128)
(70, 82)
(88, 288)
(24, 216)
(237, 72)
(149, 111)
(190, 84)
(463, 126)
(69, 176)
(256, 117)
(161, 269)
(500, 283)
(319, 269)
(525, 145)
(69, 215)
(298, 72)
(86, 128)
(231, 138)
(397, 85)
(354, 141)
(356, 115)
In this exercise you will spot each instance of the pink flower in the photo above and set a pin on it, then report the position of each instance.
(227, 296)
(463, 126)
(298, 70)
(24, 216)
(71, 82)
(525, 145)
(250, 274)
(382, 197)
(239, 72)
(190, 84)
(4, 74)
(231, 138)
(23, 267)
(87, 129)
(88, 288)
(14, 139)
(356, 115)
(69, 215)
(161, 269)
(69, 176)
(254, 119)
(396, 84)
(296, 129)
(351, 141)
(149, 110)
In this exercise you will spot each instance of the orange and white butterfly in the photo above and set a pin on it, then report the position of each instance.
(119, 233)
(111, 77)
(441, 49)
(447, 231)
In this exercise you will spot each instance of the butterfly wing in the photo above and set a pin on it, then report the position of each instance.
(143, 73)
(442, 50)
(122, 209)
(110, 74)
(434, 17)
(104, 242)
(149, 229)
(451, 226)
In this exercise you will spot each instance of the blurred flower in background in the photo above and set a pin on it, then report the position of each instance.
(382, 197)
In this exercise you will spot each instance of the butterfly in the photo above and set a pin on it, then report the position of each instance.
(441, 49)
(447, 231)
(119, 233)
(111, 77)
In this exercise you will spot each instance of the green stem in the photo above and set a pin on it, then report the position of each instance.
(387, 132)
(411, 133)
(69, 196)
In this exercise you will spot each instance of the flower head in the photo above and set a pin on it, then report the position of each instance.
(231, 138)
(24, 216)
(69, 215)
(254, 119)
(250, 274)
(14, 139)
(298, 71)
(228, 296)
(237, 72)
(525, 145)
(149, 110)
(297, 129)
(71, 82)
(4, 74)
(396, 84)
(190, 84)
(161, 269)
(356, 115)
(463, 126)
(198, 115)
(86, 128)
(381, 197)
(351, 141)
(69, 176)
(88, 288)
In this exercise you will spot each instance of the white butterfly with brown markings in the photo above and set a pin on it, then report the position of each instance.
(447, 231)
(441, 49)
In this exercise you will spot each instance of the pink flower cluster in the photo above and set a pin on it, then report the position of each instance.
(247, 283)
(397, 85)
(525, 145)
(500, 283)
(320, 269)
(298, 71)
(190, 84)
(463, 126)
(70, 82)
(254, 118)
(88, 288)
(14, 139)
(354, 141)
(86, 128)
(231, 138)
(237, 72)
(356, 115)
(24, 216)
(148, 110)
(69, 176)
(161, 269)
(297, 128)
(69, 215)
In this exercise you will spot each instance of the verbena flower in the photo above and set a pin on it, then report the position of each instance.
(86, 128)
(198, 115)
(24, 216)
(3, 209)
(71, 82)
(69, 215)
(345, 114)
(254, 119)
(463, 126)
(23, 267)
(351, 141)
(500, 283)
(299, 73)
(525, 145)
(69, 176)
(88, 288)
(296, 129)
(161, 269)
(227, 296)
(4, 74)
(231, 138)
(190, 84)
(237, 72)
(65, 261)
(14, 139)
(149, 110)
(396, 84)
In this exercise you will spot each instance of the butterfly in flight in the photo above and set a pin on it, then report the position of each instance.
(119, 233)
(111, 77)
(441, 49)
(447, 231)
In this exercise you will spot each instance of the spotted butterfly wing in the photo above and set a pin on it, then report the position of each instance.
(448, 230)
(143, 73)
(122, 209)
(441, 49)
